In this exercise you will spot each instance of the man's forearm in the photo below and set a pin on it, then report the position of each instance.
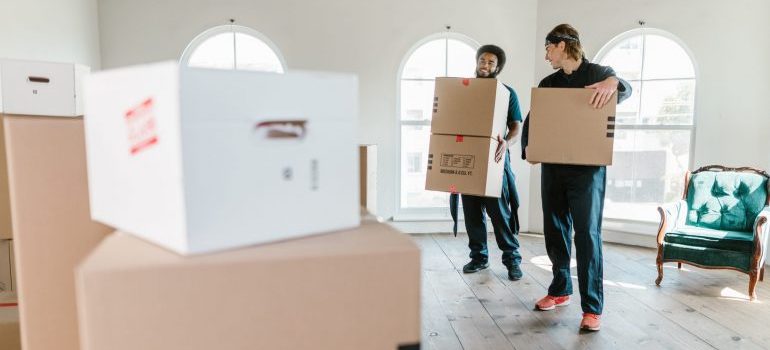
(513, 132)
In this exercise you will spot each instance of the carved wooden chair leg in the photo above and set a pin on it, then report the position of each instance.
(753, 275)
(762, 274)
(660, 274)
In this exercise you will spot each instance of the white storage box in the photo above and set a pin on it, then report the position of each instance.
(200, 160)
(41, 88)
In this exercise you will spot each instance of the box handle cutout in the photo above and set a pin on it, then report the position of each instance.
(42, 80)
(281, 129)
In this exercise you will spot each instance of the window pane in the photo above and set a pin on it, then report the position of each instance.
(626, 58)
(414, 140)
(648, 170)
(665, 59)
(214, 52)
(417, 100)
(427, 62)
(628, 111)
(461, 59)
(254, 54)
(667, 102)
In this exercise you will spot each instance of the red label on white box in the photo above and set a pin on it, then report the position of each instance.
(141, 126)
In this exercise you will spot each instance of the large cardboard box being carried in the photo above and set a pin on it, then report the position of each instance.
(470, 107)
(565, 129)
(354, 289)
(200, 160)
(35, 88)
(468, 116)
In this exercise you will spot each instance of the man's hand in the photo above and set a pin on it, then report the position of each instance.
(603, 92)
(502, 146)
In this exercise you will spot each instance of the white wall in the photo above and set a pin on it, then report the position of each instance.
(50, 30)
(731, 52)
(369, 38)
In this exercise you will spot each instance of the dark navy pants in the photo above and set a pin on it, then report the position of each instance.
(503, 213)
(573, 196)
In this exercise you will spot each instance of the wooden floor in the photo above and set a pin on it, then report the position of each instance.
(692, 309)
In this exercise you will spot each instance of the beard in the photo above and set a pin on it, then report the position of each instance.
(491, 75)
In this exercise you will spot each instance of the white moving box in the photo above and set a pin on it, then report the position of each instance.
(200, 160)
(41, 88)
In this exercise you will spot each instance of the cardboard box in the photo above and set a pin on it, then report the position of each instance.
(35, 88)
(41, 88)
(565, 129)
(6, 266)
(52, 227)
(201, 160)
(6, 229)
(464, 164)
(354, 289)
(10, 337)
(368, 177)
(470, 107)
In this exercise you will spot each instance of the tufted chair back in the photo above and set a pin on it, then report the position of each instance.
(726, 199)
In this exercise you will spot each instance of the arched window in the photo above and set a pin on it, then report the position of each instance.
(233, 47)
(655, 126)
(440, 55)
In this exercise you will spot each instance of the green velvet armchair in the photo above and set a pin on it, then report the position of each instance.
(720, 223)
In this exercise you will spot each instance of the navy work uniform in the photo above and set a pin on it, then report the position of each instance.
(573, 195)
(502, 211)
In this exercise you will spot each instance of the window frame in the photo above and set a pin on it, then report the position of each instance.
(184, 59)
(424, 213)
(672, 127)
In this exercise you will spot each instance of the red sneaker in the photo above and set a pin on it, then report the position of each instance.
(550, 302)
(591, 322)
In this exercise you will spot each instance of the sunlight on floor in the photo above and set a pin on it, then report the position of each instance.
(732, 294)
(620, 284)
(544, 263)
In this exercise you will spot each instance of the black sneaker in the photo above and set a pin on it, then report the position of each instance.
(515, 273)
(475, 266)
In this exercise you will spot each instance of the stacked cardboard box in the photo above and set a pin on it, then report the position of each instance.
(565, 129)
(468, 116)
(200, 161)
(354, 289)
(52, 228)
(9, 322)
(203, 160)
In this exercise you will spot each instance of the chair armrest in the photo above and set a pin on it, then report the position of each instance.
(671, 216)
(761, 233)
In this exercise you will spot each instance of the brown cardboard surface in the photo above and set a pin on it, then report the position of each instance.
(14, 285)
(565, 129)
(6, 274)
(368, 177)
(464, 164)
(355, 289)
(9, 322)
(470, 106)
(51, 223)
(5, 201)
